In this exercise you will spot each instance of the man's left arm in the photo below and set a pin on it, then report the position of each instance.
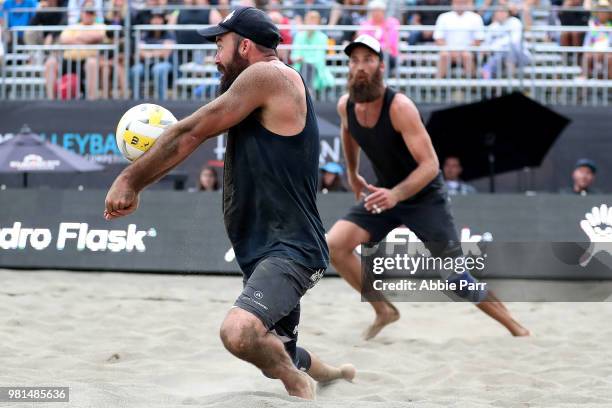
(407, 121)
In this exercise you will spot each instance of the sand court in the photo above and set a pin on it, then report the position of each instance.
(142, 340)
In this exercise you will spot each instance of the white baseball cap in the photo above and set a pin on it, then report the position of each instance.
(377, 5)
(364, 40)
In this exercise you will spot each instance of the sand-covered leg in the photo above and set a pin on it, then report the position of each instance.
(342, 240)
(245, 336)
(323, 372)
(493, 307)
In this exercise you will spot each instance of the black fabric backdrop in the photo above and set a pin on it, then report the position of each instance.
(88, 128)
(183, 232)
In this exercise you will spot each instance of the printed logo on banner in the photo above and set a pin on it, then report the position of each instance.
(404, 236)
(77, 234)
(597, 225)
(34, 162)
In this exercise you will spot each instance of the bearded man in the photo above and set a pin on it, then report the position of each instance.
(269, 195)
(409, 191)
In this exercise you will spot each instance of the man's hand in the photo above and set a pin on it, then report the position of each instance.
(358, 185)
(380, 199)
(121, 200)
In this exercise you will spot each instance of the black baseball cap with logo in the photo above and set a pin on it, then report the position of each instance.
(248, 22)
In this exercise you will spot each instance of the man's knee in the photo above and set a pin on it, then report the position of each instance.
(337, 245)
(344, 237)
(240, 332)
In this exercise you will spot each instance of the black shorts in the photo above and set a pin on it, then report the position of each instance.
(272, 292)
(428, 215)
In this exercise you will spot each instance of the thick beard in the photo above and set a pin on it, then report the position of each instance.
(231, 71)
(366, 91)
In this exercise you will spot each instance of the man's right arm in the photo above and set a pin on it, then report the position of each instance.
(351, 151)
(248, 93)
(350, 147)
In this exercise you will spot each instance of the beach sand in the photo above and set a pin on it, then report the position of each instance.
(142, 340)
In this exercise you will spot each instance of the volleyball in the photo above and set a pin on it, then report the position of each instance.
(139, 127)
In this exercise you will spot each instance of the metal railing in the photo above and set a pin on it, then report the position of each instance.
(64, 71)
(429, 73)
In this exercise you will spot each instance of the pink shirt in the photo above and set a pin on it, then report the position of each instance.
(387, 34)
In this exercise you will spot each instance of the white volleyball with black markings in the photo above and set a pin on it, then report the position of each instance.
(139, 128)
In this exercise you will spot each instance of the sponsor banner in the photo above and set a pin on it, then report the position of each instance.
(88, 128)
(184, 232)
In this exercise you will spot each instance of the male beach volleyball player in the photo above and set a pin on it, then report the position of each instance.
(410, 190)
(269, 193)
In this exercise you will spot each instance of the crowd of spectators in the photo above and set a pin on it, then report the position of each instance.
(457, 25)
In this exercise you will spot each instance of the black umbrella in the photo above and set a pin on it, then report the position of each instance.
(27, 153)
(495, 136)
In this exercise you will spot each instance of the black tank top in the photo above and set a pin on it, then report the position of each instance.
(384, 146)
(269, 194)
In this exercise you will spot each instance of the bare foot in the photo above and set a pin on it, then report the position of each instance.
(383, 318)
(519, 331)
(348, 372)
(494, 307)
(304, 387)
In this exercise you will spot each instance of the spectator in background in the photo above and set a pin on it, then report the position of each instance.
(424, 17)
(484, 8)
(452, 177)
(458, 29)
(156, 61)
(276, 15)
(504, 37)
(569, 17)
(351, 12)
(301, 7)
(330, 178)
(17, 18)
(309, 55)
(115, 15)
(596, 63)
(201, 15)
(583, 178)
(222, 10)
(384, 29)
(78, 61)
(45, 18)
(208, 180)
(1, 46)
(75, 7)
(142, 17)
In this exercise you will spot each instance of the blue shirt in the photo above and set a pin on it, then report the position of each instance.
(19, 18)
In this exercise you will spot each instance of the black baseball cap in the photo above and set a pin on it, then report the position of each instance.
(248, 22)
(586, 163)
